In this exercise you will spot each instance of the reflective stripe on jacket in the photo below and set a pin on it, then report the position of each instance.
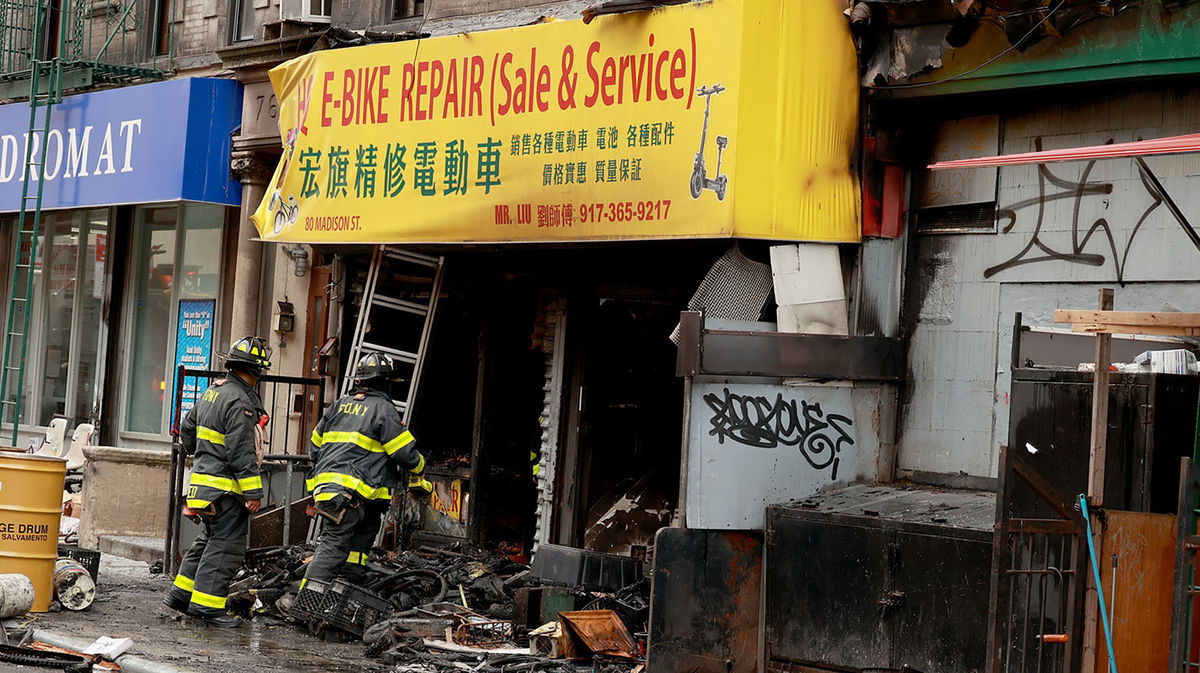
(219, 432)
(361, 446)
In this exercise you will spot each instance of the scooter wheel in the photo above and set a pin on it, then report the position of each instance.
(721, 190)
(697, 183)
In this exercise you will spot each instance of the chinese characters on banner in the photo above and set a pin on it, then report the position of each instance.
(663, 124)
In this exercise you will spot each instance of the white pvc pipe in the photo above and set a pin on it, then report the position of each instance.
(128, 662)
(16, 595)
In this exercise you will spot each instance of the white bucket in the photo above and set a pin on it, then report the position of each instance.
(73, 585)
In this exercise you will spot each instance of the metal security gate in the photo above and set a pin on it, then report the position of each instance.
(1038, 572)
(287, 448)
(1185, 640)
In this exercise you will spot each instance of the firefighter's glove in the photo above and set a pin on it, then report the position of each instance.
(420, 468)
(419, 485)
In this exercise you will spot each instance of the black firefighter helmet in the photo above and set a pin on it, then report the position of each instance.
(249, 353)
(376, 370)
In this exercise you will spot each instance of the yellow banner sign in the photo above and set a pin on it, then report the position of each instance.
(714, 119)
(447, 499)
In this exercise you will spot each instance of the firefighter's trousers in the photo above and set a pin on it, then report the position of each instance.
(343, 548)
(215, 557)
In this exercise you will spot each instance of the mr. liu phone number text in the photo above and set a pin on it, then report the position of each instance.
(568, 215)
(627, 211)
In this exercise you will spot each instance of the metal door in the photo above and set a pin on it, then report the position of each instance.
(928, 583)
(1051, 412)
(1185, 631)
(823, 586)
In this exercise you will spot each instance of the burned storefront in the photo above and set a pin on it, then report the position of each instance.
(521, 215)
(542, 371)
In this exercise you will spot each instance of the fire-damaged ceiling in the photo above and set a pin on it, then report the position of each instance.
(1024, 22)
(901, 40)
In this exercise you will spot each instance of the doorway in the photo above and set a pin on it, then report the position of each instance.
(629, 410)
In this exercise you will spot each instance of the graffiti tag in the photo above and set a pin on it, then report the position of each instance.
(757, 421)
(1036, 250)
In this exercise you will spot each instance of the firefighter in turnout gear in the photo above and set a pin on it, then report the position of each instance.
(225, 486)
(361, 450)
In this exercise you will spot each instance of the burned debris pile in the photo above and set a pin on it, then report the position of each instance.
(437, 610)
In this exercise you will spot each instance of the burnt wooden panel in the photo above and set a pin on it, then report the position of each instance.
(266, 528)
(705, 608)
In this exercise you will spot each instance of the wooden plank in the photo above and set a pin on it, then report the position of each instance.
(1043, 488)
(1099, 448)
(1140, 318)
(1144, 546)
(1096, 462)
(1156, 330)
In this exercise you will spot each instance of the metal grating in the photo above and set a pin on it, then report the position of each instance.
(1185, 632)
(115, 42)
(16, 41)
(735, 288)
(956, 219)
(1038, 576)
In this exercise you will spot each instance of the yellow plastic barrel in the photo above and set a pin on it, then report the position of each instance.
(30, 511)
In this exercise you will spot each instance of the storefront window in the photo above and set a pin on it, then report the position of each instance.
(201, 272)
(154, 258)
(176, 255)
(65, 330)
(90, 315)
(61, 245)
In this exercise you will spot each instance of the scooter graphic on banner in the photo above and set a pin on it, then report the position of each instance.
(286, 212)
(700, 180)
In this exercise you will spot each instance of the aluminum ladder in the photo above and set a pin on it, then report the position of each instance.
(395, 326)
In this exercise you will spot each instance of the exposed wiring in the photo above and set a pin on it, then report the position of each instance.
(419, 31)
(981, 66)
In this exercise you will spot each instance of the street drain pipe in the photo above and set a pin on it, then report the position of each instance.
(128, 662)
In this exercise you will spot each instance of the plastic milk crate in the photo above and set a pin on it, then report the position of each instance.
(311, 601)
(354, 610)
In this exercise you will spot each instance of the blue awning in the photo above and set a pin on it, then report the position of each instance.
(161, 142)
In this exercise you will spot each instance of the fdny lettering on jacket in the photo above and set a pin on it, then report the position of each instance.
(352, 409)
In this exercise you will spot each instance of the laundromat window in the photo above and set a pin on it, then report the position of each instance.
(153, 255)
(176, 256)
(71, 293)
(65, 329)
